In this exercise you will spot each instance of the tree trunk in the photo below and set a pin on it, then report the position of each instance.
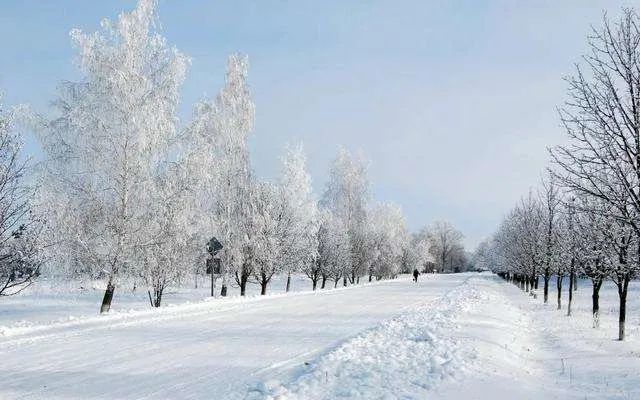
(559, 285)
(324, 281)
(223, 291)
(243, 285)
(108, 296)
(314, 283)
(572, 276)
(575, 282)
(263, 288)
(546, 287)
(289, 282)
(157, 294)
(370, 277)
(623, 285)
(335, 284)
(344, 280)
(534, 286)
(595, 299)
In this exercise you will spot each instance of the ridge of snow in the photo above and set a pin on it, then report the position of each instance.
(405, 357)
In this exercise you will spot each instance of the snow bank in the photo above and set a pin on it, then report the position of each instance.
(402, 358)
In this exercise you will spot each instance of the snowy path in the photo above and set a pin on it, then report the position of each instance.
(206, 351)
(406, 357)
(484, 339)
(464, 336)
(528, 350)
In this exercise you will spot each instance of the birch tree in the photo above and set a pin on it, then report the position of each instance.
(389, 236)
(347, 196)
(173, 246)
(333, 249)
(300, 213)
(219, 159)
(104, 146)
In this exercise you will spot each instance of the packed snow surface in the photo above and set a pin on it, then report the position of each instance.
(460, 336)
(402, 358)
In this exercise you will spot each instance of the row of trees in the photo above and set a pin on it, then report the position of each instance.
(20, 227)
(584, 220)
(125, 192)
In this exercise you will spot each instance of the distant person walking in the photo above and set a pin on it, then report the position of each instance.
(415, 275)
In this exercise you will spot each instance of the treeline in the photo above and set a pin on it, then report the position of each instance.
(125, 192)
(584, 221)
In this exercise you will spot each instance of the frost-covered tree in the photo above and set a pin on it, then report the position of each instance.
(347, 196)
(333, 250)
(173, 246)
(110, 136)
(20, 226)
(550, 201)
(234, 114)
(299, 214)
(389, 236)
(219, 161)
(484, 257)
(268, 234)
(415, 253)
(445, 245)
(520, 243)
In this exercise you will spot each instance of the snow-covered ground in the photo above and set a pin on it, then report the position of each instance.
(528, 350)
(462, 336)
(405, 357)
(47, 301)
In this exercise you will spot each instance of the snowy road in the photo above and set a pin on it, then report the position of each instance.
(450, 337)
(208, 351)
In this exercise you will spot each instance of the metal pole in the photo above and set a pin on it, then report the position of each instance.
(213, 281)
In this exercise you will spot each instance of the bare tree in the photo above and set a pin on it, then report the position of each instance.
(20, 258)
(445, 244)
(602, 120)
(550, 200)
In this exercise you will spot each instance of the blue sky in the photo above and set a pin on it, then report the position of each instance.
(453, 102)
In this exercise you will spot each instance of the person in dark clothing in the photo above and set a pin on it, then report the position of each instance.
(415, 275)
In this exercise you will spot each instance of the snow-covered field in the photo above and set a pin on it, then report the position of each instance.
(47, 301)
(462, 336)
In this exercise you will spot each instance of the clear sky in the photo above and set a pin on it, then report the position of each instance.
(454, 102)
